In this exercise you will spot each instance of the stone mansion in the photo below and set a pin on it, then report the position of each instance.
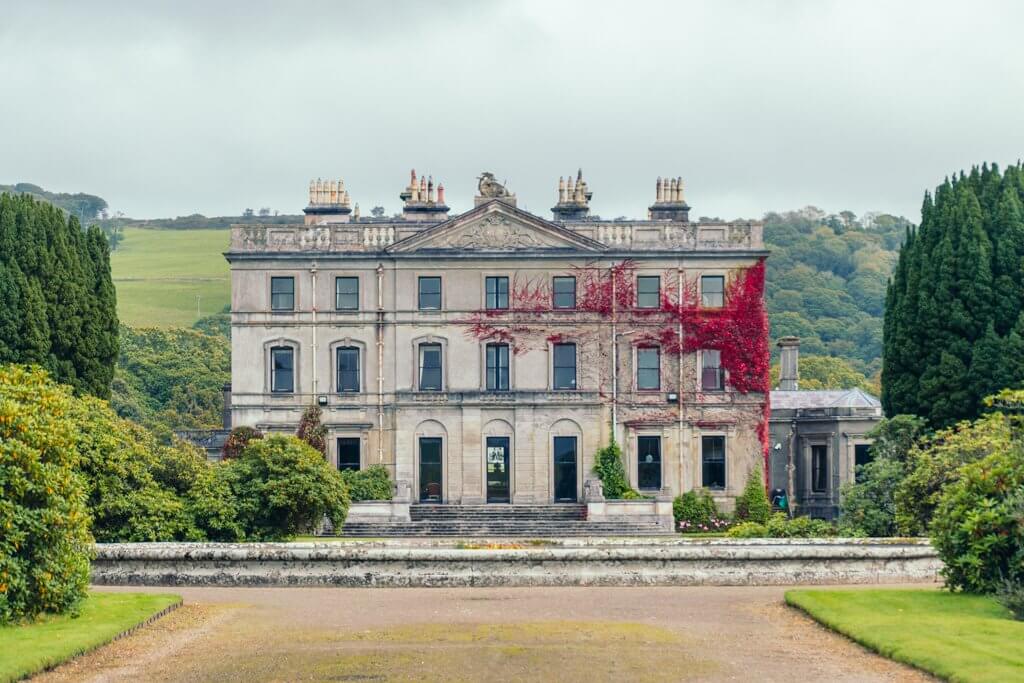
(485, 357)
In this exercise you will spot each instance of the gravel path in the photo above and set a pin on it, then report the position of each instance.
(473, 634)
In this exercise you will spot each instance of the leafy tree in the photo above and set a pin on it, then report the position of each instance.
(45, 544)
(373, 483)
(828, 372)
(311, 430)
(867, 505)
(284, 487)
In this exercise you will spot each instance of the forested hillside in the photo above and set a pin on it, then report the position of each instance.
(827, 278)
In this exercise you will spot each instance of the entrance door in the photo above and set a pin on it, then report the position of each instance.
(431, 471)
(498, 488)
(565, 469)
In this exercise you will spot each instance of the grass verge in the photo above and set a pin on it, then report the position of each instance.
(27, 649)
(954, 636)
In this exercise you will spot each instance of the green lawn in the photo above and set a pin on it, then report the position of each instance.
(954, 636)
(159, 273)
(28, 649)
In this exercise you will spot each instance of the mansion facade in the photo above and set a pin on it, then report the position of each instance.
(487, 356)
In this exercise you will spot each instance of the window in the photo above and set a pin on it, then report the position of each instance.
(861, 456)
(648, 462)
(712, 291)
(282, 294)
(497, 367)
(564, 366)
(712, 462)
(564, 292)
(497, 292)
(648, 291)
(711, 376)
(430, 294)
(819, 469)
(282, 369)
(648, 368)
(431, 469)
(430, 367)
(348, 454)
(348, 369)
(346, 293)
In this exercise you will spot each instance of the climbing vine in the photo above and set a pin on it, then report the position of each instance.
(680, 325)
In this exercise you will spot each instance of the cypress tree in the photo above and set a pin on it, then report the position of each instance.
(58, 307)
(954, 330)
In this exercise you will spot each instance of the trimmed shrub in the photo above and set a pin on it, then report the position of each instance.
(284, 487)
(748, 530)
(978, 528)
(781, 526)
(752, 505)
(237, 440)
(373, 483)
(1011, 596)
(609, 469)
(45, 544)
(695, 511)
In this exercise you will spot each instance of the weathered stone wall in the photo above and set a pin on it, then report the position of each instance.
(587, 562)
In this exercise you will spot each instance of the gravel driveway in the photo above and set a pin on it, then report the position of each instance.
(474, 634)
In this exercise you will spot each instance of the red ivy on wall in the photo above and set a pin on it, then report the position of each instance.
(739, 330)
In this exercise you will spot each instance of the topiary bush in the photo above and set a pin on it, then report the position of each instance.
(237, 440)
(45, 541)
(373, 483)
(609, 469)
(752, 505)
(695, 511)
(978, 528)
(284, 487)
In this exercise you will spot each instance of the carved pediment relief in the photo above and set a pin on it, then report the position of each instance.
(496, 229)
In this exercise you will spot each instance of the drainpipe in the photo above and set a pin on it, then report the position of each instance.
(380, 363)
(313, 348)
(791, 468)
(679, 385)
(615, 363)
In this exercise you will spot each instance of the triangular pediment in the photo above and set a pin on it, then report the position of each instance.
(496, 227)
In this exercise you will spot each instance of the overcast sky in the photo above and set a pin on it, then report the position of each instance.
(168, 109)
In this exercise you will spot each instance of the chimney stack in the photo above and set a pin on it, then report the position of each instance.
(789, 363)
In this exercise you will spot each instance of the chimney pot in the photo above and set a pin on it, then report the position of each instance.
(789, 363)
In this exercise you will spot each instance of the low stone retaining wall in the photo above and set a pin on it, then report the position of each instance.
(394, 564)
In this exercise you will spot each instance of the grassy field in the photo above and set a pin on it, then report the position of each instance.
(159, 274)
(954, 636)
(28, 649)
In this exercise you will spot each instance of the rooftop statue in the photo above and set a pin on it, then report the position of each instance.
(491, 188)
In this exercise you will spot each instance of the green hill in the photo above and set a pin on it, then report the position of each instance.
(159, 274)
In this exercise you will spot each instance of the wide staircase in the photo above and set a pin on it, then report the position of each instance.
(500, 521)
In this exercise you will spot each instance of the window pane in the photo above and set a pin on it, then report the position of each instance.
(648, 291)
(430, 367)
(648, 369)
(565, 366)
(282, 293)
(347, 293)
(348, 454)
(713, 462)
(564, 289)
(819, 468)
(348, 369)
(497, 367)
(497, 292)
(648, 462)
(430, 293)
(282, 372)
(711, 376)
(712, 291)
